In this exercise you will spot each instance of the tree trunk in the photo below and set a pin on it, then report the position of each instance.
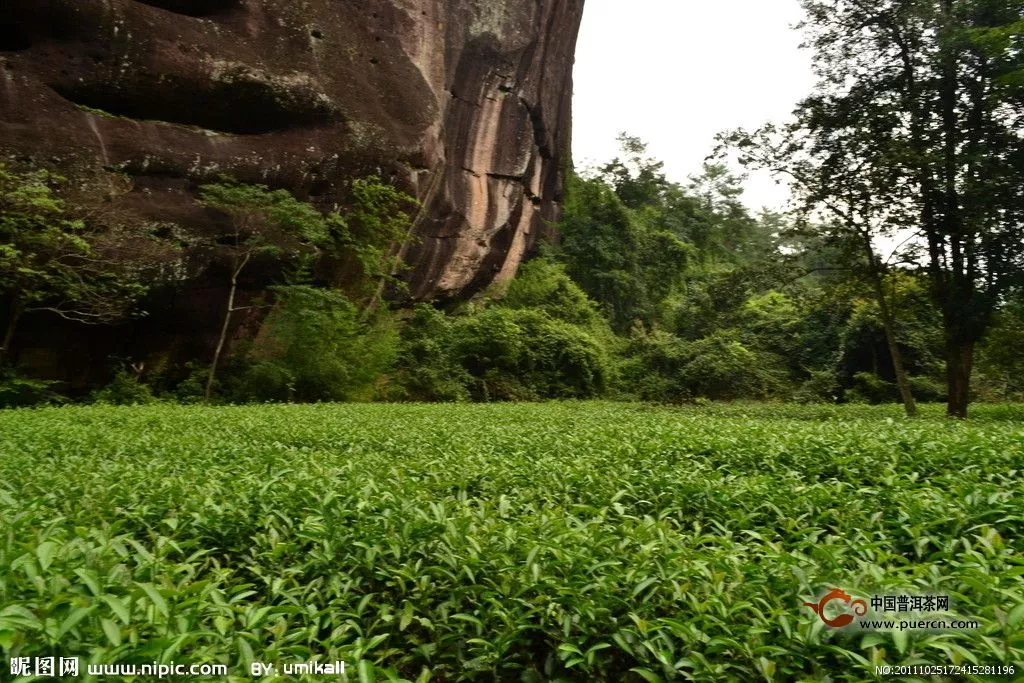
(12, 323)
(224, 328)
(959, 363)
(889, 324)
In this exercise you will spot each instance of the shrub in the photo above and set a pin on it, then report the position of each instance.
(543, 285)
(526, 354)
(426, 369)
(125, 389)
(870, 388)
(662, 367)
(821, 387)
(315, 347)
(652, 367)
(927, 389)
(720, 366)
(562, 542)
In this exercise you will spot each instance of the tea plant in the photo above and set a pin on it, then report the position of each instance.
(566, 541)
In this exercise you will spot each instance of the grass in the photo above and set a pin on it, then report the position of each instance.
(567, 541)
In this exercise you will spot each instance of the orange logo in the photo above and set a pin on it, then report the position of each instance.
(860, 608)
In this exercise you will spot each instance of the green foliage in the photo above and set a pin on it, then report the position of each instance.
(314, 346)
(426, 368)
(594, 541)
(379, 219)
(542, 284)
(721, 366)
(47, 261)
(269, 220)
(870, 388)
(1001, 356)
(662, 367)
(275, 222)
(600, 248)
(17, 391)
(821, 387)
(191, 388)
(124, 390)
(544, 339)
(652, 367)
(521, 354)
(913, 126)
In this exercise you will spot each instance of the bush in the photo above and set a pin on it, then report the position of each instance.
(192, 389)
(314, 347)
(426, 369)
(560, 542)
(719, 366)
(662, 367)
(543, 285)
(652, 367)
(124, 390)
(821, 387)
(526, 355)
(870, 388)
(927, 389)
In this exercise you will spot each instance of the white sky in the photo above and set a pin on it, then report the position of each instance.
(676, 72)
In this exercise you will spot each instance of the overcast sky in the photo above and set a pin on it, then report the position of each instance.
(676, 72)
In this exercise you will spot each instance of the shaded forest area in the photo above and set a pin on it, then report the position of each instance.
(656, 291)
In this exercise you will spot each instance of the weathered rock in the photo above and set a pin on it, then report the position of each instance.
(464, 102)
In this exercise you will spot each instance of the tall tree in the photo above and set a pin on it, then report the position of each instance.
(914, 129)
(261, 221)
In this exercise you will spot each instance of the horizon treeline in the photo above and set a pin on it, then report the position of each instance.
(654, 291)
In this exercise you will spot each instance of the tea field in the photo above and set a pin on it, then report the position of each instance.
(565, 541)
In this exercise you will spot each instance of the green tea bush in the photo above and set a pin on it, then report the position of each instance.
(568, 541)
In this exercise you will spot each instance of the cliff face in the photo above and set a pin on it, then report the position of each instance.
(465, 103)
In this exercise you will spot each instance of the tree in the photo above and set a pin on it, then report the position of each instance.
(314, 347)
(637, 179)
(600, 247)
(50, 262)
(913, 130)
(622, 241)
(262, 221)
(1001, 362)
(378, 228)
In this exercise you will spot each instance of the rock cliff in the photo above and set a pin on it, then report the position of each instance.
(465, 103)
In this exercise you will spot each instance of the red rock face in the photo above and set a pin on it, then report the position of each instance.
(464, 102)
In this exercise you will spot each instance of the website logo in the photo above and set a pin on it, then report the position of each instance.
(844, 617)
(837, 609)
